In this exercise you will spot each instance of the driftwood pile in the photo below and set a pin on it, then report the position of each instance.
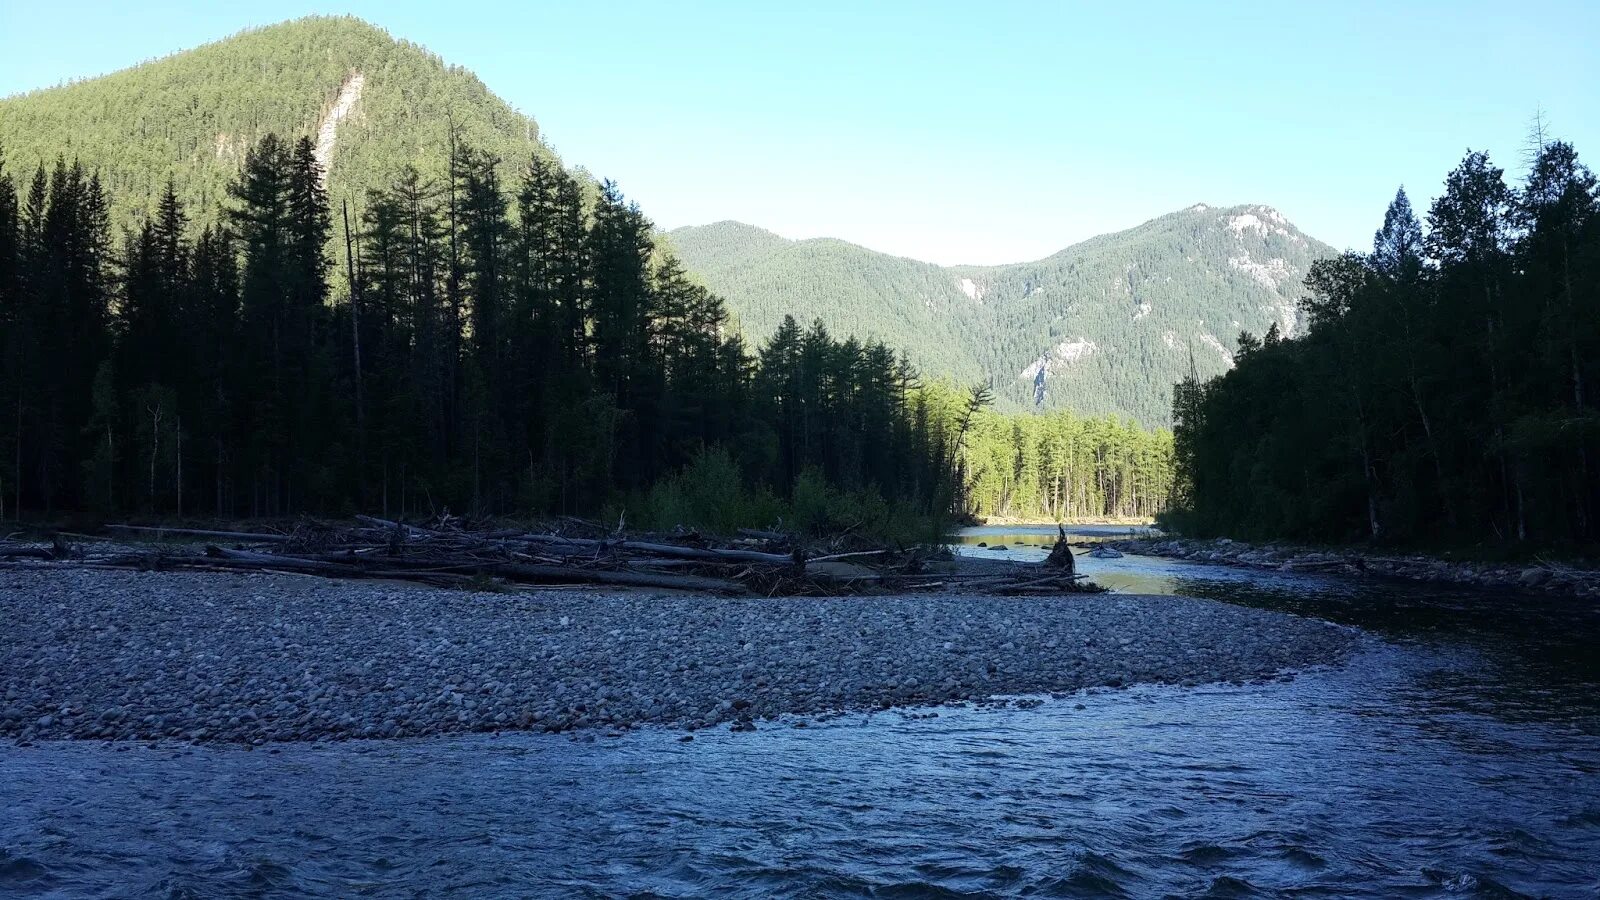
(450, 552)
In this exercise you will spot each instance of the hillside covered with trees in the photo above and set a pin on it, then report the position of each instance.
(193, 117)
(1444, 392)
(501, 348)
(1102, 327)
(311, 268)
(910, 304)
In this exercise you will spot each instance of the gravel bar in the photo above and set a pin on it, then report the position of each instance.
(264, 658)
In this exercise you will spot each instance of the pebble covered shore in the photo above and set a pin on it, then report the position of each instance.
(266, 658)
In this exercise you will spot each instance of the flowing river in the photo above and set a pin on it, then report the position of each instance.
(1457, 754)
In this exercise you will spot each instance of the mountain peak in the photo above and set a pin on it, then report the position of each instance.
(372, 103)
(731, 226)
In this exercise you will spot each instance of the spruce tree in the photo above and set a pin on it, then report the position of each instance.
(1397, 247)
(14, 336)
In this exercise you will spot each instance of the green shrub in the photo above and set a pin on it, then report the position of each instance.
(709, 495)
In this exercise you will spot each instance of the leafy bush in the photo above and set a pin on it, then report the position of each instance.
(710, 495)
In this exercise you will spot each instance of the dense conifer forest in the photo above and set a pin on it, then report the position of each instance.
(1445, 392)
(499, 344)
(1062, 467)
(313, 268)
(499, 348)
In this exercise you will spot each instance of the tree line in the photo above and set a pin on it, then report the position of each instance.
(1445, 390)
(1062, 467)
(501, 340)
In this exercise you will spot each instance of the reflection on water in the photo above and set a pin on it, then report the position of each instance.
(1026, 538)
(1457, 755)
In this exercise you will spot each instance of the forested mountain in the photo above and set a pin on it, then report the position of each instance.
(312, 268)
(498, 346)
(1104, 326)
(191, 318)
(1111, 321)
(371, 103)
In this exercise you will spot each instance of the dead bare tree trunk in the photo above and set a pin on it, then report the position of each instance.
(155, 447)
(219, 477)
(355, 342)
(1061, 554)
(17, 485)
(1367, 470)
(111, 470)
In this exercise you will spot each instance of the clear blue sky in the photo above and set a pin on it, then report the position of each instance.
(962, 131)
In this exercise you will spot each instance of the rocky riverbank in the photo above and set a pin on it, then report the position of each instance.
(253, 659)
(1540, 577)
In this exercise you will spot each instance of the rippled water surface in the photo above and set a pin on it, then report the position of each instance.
(1457, 755)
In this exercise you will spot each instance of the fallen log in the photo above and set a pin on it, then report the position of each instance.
(387, 525)
(764, 535)
(571, 575)
(707, 553)
(510, 571)
(848, 555)
(1065, 581)
(451, 552)
(246, 536)
(273, 560)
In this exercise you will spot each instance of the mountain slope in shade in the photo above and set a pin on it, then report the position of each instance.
(1107, 325)
(371, 102)
(910, 305)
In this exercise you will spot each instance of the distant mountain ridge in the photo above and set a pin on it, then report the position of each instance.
(1103, 326)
